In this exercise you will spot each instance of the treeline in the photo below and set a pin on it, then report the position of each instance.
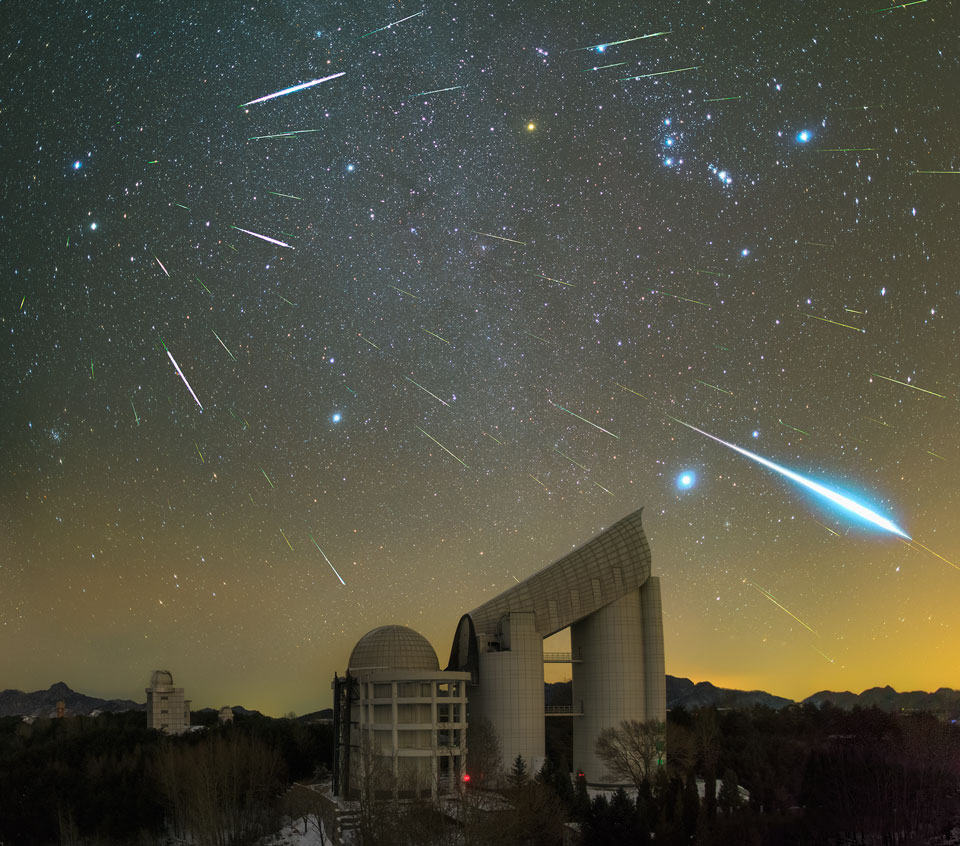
(109, 779)
(808, 776)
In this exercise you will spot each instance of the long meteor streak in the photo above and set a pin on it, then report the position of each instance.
(606, 44)
(584, 419)
(293, 88)
(659, 73)
(769, 596)
(328, 561)
(426, 391)
(382, 28)
(262, 237)
(833, 496)
(432, 438)
(185, 382)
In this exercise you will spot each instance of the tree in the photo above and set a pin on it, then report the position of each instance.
(518, 772)
(633, 750)
(728, 799)
(484, 757)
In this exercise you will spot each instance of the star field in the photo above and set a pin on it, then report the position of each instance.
(426, 325)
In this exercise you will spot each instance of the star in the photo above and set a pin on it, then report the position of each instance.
(686, 480)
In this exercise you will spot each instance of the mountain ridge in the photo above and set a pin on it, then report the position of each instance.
(680, 691)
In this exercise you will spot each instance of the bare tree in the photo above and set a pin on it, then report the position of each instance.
(484, 758)
(633, 750)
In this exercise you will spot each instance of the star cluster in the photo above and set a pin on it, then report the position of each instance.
(430, 322)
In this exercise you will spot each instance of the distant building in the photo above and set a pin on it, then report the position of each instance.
(61, 709)
(399, 721)
(167, 710)
(226, 714)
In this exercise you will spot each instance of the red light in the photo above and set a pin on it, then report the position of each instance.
(466, 776)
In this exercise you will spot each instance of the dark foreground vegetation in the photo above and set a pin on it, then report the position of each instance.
(109, 780)
(809, 776)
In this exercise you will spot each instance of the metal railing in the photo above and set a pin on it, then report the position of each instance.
(560, 658)
(562, 710)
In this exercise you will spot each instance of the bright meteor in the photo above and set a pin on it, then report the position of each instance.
(185, 382)
(262, 237)
(833, 496)
(293, 88)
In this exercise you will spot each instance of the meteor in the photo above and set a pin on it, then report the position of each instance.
(426, 391)
(432, 438)
(498, 237)
(660, 73)
(261, 237)
(185, 382)
(293, 88)
(584, 419)
(770, 596)
(604, 45)
(162, 267)
(373, 31)
(328, 562)
(833, 496)
(439, 90)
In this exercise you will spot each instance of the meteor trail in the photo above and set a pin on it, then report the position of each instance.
(498, 237)
(374, 31)
(328, 561)
(558, 281)
(833, 496)
(708, 385)
(558, 452)
(439, 90)
(435, 335)
(606, 44)
(395, 288)
(769, 596)
(255, 235)
(584, 419)
(265, 476)
(795, 429)
(185, 382)
(624, 387)
(135, 415)
(426, 391)
(162, 267)
(432, 438)
(293, 88)
(836, 323)
(372, 344)
(908, 385)
(288, 196)
(660, 73)
(222, 344)
(677, 297)
(601, 67)
(285, 538)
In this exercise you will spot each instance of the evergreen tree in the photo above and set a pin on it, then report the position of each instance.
(581, 798)
(728, 798)
(518, 772)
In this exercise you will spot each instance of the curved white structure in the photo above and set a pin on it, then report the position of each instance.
(604, 592)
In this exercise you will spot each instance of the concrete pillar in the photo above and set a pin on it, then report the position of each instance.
(609, 681)
(510, 693)
(654, 666)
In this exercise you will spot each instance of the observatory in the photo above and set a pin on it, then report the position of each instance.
(605, 594)
(397, 712)
(167, 710)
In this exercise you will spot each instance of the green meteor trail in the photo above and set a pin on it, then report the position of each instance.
(584, 419)
(660, 73)
(432, 438)
(265, 476)
(908, 385)
(498, 237)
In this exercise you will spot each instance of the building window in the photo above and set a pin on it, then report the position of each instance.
(382, 691)
(163, 710)
(407, 689)
(618, 578)
(163, 698)
(443, 713)
(426, 689)
(597, 591)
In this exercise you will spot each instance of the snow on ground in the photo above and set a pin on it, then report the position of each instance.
(292, 835)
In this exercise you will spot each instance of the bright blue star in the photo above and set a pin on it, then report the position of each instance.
(686, 480)
(77, 164)
(755, 433)
(669, 142)
(351, 167)
(803, 136)
(668, 161)
(601, 47)
(336, 417)
(744, 252)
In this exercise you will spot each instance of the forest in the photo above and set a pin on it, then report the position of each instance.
(797, 776)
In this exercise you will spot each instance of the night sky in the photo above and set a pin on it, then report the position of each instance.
(466, 347)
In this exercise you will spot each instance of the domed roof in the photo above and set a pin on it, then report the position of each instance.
(161, 678)
(393, 648)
